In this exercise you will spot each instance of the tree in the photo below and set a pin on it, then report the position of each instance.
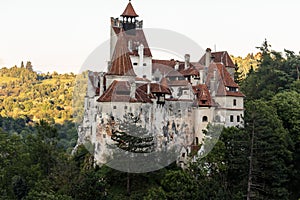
(132, 137)
(269, 157)
(271, 76)
(287, 105)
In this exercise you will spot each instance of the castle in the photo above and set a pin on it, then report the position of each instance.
(175, 100)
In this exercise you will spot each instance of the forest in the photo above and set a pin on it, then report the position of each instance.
(259, 161)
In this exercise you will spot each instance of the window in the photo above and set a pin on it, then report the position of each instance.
(231, 118)
(125, 107)
(204, 119)
(183, 155)
(161, 99)
(115, 107)
(104, 135)
(145, 64)
(135, 64)
(197, 140)
(234, 102)
(238, 118)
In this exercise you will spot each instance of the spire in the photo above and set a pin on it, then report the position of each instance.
(121, 62)
(129, 11)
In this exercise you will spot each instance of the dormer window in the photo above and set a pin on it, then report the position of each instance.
(232, 89)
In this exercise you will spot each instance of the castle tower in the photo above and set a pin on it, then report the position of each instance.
(129, 19)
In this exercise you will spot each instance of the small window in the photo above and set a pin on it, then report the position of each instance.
(125, 107)
(238, 118)
(135, 64)
(145, 64)
(104, 135)
(161, 99)
(231, 118)
(115, 107)
(204, 119)
(183, 155)
(234, 102)
(197, 140)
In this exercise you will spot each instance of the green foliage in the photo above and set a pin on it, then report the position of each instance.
(36, 96)
(132, 137)
(274, 74)
(271, 155)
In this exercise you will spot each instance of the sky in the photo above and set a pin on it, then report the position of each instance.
(58, 35)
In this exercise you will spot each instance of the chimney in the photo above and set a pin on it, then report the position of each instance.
(101, 80)
(201, 73)
(148, 88)
(186, 61)
(212, 85)
(176, 65)
(141, 54)
(132, 89)
(207, 57)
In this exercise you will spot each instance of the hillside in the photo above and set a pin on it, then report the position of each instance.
(258, 161)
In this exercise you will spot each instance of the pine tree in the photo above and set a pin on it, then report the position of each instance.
(132, 137)
(269, 154)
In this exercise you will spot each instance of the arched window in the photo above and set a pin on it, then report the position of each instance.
(204, 119)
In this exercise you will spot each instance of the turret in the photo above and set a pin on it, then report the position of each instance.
(129, 19)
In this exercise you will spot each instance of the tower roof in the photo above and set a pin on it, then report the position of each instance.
(121, 62)
(129, 11)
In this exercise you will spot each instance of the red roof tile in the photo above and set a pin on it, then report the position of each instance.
(164, 82)
(119, 91)
(129, 11)
(203, 96)
(121, 62)
(224, 79)
(137, 39)
(156, 88)
(220, 57)
(179, 83)
(227, 80)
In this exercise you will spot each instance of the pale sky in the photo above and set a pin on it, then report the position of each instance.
(58, 35)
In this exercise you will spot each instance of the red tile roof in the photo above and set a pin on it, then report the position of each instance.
(142, 79)
(119, 91)
(165, 70)
(203, 96)
(129, 11)
(137, 39)
(224, 79)
(156, 88)
(225, 76)
(191, 71)
(220, 57)
(164, 82)
(121, 62)
(179, 83)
